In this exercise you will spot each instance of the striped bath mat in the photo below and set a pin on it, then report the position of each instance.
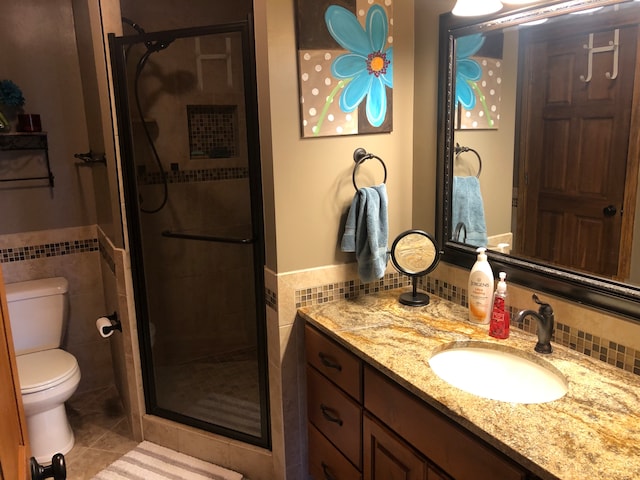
(149, 461)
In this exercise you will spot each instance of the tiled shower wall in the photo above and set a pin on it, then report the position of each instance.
(72, 253)
(197, 281)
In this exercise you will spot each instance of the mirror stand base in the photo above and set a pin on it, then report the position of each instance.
(414, 299)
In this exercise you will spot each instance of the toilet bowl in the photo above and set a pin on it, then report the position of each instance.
(47, 380)
(48, 375)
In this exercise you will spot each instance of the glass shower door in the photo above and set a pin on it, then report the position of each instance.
(187, 117)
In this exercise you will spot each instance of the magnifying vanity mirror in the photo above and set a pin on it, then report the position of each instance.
(415, 254)
(546, 100)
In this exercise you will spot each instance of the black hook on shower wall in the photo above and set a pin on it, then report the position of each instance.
(360, 156)
(91, 158)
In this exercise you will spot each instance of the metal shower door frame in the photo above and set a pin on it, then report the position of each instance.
(126, 169)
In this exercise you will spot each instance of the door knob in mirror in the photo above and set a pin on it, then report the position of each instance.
(609, 211)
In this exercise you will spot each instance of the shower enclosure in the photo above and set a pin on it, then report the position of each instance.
(187, 120)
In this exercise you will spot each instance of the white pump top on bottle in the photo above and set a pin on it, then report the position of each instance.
(502, 285)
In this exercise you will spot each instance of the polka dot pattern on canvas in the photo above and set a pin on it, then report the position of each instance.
(486, 113)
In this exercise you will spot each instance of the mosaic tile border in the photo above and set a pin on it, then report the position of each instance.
(349, 289)
(271, 299)
(193, 176)
(105, 254)
(46, 250)
(615, 354)
(212, 131)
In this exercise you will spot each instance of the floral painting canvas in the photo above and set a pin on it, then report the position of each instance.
(478, 81)
(345, 66)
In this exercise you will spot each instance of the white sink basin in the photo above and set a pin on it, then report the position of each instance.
(498, 373)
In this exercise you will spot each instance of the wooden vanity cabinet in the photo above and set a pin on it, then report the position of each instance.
(364, 426)
(453, 449)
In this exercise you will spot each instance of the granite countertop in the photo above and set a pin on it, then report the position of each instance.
(591, 432)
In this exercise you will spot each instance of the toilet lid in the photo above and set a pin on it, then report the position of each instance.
(41, 370)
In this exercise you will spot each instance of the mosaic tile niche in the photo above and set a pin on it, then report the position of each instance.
(212, 131)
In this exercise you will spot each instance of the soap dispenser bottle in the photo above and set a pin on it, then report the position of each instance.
(499, 325)
(480, 290)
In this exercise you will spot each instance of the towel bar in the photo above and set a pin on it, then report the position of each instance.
(360, 155)
(460, 149)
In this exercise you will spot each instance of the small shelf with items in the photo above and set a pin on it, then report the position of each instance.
(27, 141)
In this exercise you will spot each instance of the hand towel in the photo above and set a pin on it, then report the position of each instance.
(468, 208)
(366, 232)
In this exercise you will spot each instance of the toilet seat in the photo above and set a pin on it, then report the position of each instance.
(40, 371)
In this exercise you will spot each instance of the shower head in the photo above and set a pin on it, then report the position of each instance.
(158, 45)
(134, 25)
(152, 46)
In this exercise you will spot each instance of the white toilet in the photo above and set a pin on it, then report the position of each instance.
(48, 375)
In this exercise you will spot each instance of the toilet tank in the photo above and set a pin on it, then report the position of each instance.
(37, 313)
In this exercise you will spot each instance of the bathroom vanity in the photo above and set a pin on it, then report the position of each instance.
(375, 405)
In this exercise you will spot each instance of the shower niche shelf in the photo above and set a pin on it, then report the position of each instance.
(27, 141)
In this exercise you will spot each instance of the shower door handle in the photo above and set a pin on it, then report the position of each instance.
(207, 238)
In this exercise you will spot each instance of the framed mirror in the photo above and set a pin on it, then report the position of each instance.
(539, 150)
(415, 254)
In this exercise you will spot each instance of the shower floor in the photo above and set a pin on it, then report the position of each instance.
(221, 391)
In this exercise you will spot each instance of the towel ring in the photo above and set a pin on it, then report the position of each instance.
(460, 149)
(360, 155)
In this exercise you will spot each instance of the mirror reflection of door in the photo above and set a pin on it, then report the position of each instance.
(574, 143)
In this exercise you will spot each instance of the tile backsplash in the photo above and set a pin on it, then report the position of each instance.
(614, 353)
(348, 289)
(73, 253)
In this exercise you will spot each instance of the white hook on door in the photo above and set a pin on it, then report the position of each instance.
(612, 47)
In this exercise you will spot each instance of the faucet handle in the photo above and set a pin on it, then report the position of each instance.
(545, 308)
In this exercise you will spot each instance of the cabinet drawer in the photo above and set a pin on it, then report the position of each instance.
(336, 415)
(326, 462)
(449, 446)
(335, 362)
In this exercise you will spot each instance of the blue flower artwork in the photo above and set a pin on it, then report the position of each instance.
(467, 69)
(478, 81)
(345, 67)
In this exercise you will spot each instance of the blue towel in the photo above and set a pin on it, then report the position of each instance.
(468, 208)
(366, 232)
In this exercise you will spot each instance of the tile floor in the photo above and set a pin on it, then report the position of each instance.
(223, 391)
(101, 429)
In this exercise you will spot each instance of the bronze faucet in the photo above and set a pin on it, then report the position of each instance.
(545, 318)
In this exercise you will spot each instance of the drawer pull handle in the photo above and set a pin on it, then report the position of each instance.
(329, 414)
(327, 473)
(329, 362)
